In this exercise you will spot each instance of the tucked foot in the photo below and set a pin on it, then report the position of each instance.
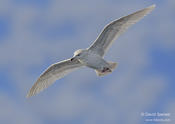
(105, 69)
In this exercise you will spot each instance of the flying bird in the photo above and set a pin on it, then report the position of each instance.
(91, 57)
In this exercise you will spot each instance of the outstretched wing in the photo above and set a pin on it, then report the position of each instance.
(114, 29)
(53, 73)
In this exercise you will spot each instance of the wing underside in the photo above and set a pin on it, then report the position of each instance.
(114, 29)
(53, 73)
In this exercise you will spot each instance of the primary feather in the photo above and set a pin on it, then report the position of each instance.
(53, 73)
(114, 29)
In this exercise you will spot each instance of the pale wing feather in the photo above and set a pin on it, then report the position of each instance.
(114, 29)
(53, 73)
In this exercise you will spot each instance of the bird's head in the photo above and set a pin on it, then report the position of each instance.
(78, 54)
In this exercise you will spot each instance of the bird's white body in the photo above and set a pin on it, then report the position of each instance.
(91, 57)
(93, 60)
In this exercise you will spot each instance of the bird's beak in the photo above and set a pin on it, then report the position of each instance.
(72, 58)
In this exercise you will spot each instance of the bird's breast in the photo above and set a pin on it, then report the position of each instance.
(93, 61)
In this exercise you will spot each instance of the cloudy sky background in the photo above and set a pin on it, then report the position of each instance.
(37, 33)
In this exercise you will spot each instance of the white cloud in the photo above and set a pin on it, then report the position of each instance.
(13, 112)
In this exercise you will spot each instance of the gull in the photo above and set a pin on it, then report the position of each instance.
(92, 57)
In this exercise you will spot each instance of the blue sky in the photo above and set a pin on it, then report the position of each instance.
(37, 33)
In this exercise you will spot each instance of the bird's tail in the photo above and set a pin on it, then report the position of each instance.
(113, 65)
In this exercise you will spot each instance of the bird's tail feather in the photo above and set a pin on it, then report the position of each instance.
(113, 65)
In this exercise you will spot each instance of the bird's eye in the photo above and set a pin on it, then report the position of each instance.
(78, 55)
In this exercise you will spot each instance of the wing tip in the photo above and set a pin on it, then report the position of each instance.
(31, 92)
(148, 9)
(29, 95)
(151, 7)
